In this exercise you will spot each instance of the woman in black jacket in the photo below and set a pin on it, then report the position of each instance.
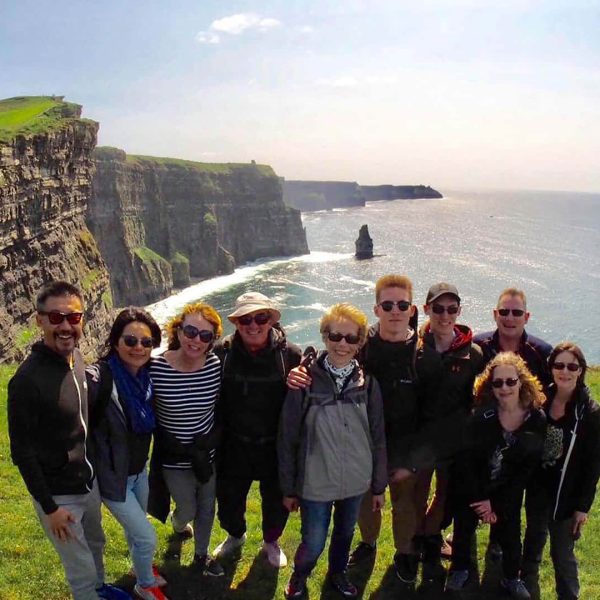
(122, 439)
(565, 482)
(505, 437)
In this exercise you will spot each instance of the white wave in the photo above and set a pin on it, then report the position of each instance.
(370, 285)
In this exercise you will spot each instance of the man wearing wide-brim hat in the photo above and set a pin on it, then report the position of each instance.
(255, 362)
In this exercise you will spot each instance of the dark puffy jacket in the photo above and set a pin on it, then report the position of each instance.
(581, 468)
(409, 376)
(459, 366)
(48, 422)
(331, 444)
(532, 350)
(471, 474)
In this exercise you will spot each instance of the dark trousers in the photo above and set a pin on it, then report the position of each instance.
(562, 546)
(508, 532)
(315, 525)
(241, 465)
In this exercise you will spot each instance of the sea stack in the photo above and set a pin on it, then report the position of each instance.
(364, 244)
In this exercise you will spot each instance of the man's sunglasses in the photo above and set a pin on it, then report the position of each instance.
(131, 341)
(509, 381)
(440, 309)
(335, 336)
(261, 318)
(516, 312)
(388, 305)
(191, 332)
(559, 366)
(56, 317)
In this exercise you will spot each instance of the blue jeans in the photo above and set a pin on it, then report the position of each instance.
(140, 534)
(315, 525)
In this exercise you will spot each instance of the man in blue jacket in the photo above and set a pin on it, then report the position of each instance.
(48, 423)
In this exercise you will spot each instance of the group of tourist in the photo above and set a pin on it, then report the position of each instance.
(496, 420)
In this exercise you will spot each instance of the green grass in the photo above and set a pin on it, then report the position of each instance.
(29, 568)
(29, 115)
(147, 255)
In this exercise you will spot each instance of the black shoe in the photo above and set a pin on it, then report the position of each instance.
(208, 566)
(419, 545)
(341, 583)
(407, 566)
(433, 571)
(362, 552)
(494, 551)
(296, 587)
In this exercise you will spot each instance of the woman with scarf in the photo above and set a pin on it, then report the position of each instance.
(331, 450)
(122, 439)
(565, 482)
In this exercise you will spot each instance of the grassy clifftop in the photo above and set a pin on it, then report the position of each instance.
(30, 115)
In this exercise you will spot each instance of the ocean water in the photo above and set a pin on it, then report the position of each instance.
(546, 243)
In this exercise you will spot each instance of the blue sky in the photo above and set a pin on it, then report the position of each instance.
(455, 94)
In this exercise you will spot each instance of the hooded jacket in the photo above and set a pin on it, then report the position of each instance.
(581, 467)
(48, 424)
(458, 367)
(331, 444)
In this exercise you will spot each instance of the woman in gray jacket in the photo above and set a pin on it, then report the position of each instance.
(331, 449)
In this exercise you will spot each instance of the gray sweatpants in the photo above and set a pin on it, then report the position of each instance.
(82, 554)
(195, 502)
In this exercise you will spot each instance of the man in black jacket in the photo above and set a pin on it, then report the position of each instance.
(255, 362)
(48, 420)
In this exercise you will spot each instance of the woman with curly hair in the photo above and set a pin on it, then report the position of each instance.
(331, 449)
(565, 483)
(505, 438)
(186, 381)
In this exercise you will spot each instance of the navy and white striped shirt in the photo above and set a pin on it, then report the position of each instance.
(185, 402)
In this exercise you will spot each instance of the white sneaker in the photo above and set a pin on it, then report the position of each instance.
(227, 546)
(151, 593)
(275, 555)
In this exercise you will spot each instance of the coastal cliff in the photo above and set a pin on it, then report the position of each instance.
(46, 169)
(160, 221)
(325, 195)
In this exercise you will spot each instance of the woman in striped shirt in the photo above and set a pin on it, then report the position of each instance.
(186, 381)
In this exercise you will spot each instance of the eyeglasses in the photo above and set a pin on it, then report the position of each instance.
(516, 312)
(559, 366)
(388, 305)
(131, 341)
(509, 381)
(261, 318)
(56, 317)
(335, 336)
(191, 332)
(440, 309)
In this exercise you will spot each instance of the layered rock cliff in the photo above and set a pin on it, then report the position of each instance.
(45, 180)
(325, 195)
(159, 221)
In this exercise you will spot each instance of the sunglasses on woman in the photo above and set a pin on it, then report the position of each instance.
(192, 332)
(560, 366)
(131, 341)
(56, 317)
(260, 318)
(516, 312)
(388, 305)
(440, 309)
(335, 336)
(509, 381)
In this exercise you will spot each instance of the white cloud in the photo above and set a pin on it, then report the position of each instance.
(338, 82)
(305, 29)
(235, 25)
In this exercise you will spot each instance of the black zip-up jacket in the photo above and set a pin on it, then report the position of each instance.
(459, 366)
(471, 475)
(114, 442)
(581, 468)
(409, 377)
(532, 350)
(48, 424)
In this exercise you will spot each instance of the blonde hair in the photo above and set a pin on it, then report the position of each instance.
(196, 308)
(530, 394)
(389, 281)
(512, 292)
(337, 312)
